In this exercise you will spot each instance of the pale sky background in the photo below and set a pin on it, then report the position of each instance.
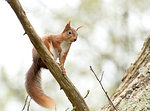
(15, 48)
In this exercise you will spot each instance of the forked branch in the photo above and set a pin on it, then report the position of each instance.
(100, 82)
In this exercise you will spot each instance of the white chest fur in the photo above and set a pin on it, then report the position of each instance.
(54, 52)
(65, 47)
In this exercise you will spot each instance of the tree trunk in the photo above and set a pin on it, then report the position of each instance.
(133, 94)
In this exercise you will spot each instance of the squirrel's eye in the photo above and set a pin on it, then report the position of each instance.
(69, 32)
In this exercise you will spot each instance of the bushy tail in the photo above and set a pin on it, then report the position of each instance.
(34, 89)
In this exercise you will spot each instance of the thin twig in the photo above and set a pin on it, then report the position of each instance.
(55, 108)
(102, 76)
(103, 87)
(67, 109)
(29, 104)
(25, 33)
(25, 103)
(88, 91)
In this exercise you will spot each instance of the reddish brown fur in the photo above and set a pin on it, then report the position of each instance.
(33, 79)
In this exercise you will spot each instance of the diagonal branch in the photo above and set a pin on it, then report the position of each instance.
(71, 92)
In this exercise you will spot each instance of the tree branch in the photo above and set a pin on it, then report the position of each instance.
(25, 103)
(71, 92)
(100, 82)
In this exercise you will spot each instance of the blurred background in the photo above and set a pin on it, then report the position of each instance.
(113, 34)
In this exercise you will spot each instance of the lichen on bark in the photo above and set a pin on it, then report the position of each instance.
(139, 97)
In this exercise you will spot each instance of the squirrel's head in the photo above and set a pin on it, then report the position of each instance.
(70, 34)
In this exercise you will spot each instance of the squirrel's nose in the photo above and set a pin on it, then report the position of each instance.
(74, 40)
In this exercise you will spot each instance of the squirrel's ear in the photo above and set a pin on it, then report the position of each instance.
(68, 23)
(78, 28)
(67, 27)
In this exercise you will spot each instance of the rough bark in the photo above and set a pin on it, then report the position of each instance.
(64, 82)
(133, 94)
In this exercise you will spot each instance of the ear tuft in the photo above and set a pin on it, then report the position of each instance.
(67, 27)
(79, 28)
(68, 23)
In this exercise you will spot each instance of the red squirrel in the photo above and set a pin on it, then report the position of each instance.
(58, 45)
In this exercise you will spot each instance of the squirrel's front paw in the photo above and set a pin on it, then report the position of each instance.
(63, 70)
(58, 64)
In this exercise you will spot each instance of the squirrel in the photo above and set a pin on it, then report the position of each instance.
(58, 46)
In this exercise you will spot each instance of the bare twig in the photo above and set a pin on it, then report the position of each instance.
(88, 91)
(25, 103)
(24, 33)
(29, 105)
(55, 108)
(67, 109)
(102, 76)
(99, 80)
